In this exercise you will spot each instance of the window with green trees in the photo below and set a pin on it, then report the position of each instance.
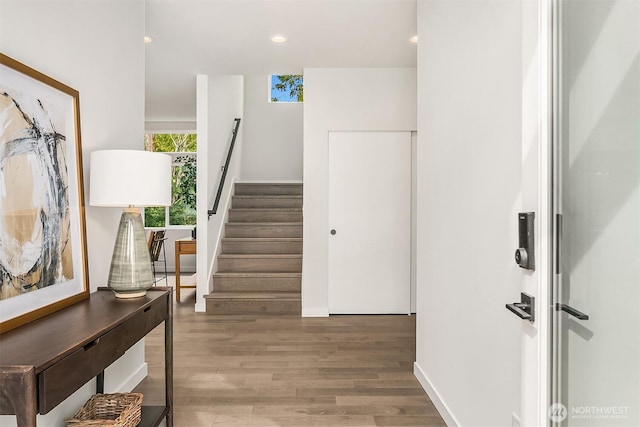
(286, 88)
(182, 148)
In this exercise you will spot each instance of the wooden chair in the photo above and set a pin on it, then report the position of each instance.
(156, 246)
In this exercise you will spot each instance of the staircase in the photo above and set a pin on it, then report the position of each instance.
(260, 262)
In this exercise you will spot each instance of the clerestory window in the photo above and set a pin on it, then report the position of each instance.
(286, 88)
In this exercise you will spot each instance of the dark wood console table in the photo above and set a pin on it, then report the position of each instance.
(44, 362)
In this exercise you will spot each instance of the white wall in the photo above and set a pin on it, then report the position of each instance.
(343, 99)
(74, 42)
(272, 135)
(170, 127)
(469, 180)
(220, 99)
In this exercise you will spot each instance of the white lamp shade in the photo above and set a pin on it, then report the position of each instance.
(130, 178)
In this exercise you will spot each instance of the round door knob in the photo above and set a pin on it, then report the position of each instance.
(333, 232)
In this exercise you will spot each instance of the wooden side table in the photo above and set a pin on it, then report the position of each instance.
(183, 247)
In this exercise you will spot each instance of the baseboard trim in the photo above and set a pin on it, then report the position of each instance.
(315, 312)
(435, 397)
(134, 379)
(200, 305)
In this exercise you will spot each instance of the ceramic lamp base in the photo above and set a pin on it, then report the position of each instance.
(131, 273)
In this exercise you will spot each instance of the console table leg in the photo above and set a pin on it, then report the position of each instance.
(168, 362)
(18, 394)
(100, 383)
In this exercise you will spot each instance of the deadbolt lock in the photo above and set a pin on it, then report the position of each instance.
(522, 259)
(525, 253)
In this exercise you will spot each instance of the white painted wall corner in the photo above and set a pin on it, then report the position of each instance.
(435, 397)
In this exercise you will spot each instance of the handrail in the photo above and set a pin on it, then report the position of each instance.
(214, 210)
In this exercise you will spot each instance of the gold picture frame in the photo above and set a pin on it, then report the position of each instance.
(43, 251)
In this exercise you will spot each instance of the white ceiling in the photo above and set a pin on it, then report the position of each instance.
(216, 37)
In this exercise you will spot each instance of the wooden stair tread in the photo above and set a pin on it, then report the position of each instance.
(265, 224)
(262, 239)
(257, 244)
(265, 188)
(269, 184)
(260, 256)
(292, 296)
(268, 196)
(266, 210)
(267, 201)
(258, 274)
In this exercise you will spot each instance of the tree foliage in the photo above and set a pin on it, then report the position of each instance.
(183, 181)
(292, 83)
(154, 217)
(183, 194)
(171, 142)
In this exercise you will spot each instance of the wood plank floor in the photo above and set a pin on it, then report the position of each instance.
(290, 371)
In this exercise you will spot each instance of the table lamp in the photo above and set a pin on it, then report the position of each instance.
(130, 179)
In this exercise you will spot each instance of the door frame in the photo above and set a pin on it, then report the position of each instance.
(539, 80)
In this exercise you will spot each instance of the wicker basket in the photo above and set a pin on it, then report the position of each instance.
(109, 410)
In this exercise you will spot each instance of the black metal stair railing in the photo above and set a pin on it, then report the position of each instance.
(236, 126)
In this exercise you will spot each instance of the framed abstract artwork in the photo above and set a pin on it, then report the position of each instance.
(43, 253)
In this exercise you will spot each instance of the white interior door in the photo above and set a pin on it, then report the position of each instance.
(596, 351)
(370, 212)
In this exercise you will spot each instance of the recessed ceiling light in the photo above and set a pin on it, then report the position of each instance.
(148, 39)
(278, 38)
(413, 39)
